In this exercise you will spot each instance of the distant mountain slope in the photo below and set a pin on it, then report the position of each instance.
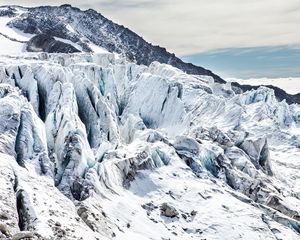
(279, 93)
(89, 31)
(284, 88)
(289, 84)
(85, 27)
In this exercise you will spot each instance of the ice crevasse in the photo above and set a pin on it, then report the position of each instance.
(89, 124)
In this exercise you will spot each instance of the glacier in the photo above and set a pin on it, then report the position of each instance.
(93, 145)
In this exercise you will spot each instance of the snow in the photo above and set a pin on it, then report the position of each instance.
(69, 27)
(110, 142)
(11, 38)
(12, 32)
(96, 49)
(291, 85)
(45, 200)
(69, 42)
(92, 146)
(219, 214)
(8, 47)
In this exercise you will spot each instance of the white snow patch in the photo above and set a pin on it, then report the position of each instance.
(69, 42)
(69, 27)
(97, 49)
(10, 47)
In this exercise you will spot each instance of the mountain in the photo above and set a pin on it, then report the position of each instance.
(95, 145)
(68, 30)
(84, 27)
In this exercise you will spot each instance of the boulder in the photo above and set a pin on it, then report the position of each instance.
(23, 235)
(168, 210)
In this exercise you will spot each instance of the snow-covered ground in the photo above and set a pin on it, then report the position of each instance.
(291, 84)
(8, 47)
(11, 39)
(97, 49)
(219, 214)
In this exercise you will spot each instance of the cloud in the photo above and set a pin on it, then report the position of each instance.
(117, 4)
(283, 61)
(192, 26)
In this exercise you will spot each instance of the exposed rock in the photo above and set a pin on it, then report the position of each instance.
(23, 235)
(193, 213)
(47, 43)
(168, 210)
(4, 230)
(95, 220)
(9, 12)
(149, 207)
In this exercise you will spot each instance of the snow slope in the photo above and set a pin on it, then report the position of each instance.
(8, 47)
(96, 147)
(12, 40)
(13, 33)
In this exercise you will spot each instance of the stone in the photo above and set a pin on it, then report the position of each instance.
(194, 213)
(23, 235)
(4, 229)
(168, 211)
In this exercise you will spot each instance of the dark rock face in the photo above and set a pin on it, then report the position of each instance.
(9, 12)
(47, 43)
(168, 211)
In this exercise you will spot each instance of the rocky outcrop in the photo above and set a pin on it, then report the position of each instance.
(168, 210)
(47, 43)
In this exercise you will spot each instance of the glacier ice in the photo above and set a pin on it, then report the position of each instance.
(101, 136)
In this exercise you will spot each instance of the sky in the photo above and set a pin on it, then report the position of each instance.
(194, 28)
(257, 62)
